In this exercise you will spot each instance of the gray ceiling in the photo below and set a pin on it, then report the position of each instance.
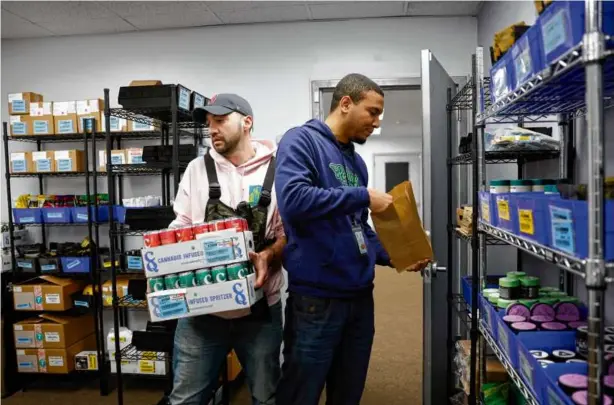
(30, 19)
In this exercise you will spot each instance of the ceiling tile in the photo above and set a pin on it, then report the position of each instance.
(436, 8)
(356, 9)
(45, 11)
(270, 13)
(228, 6)
(16, 27)
(78, 26)
(184, 14)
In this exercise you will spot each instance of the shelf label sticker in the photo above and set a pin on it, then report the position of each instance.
(19, 166)
(40, 127)
(553, 398)
(82, 216)
(24, 265)
(115, 124)
(199, 101)
(48, 267)
(43, 165)
(52, 337)
(55, 215)
(74, 263)
(56, 361)
(485, 211)
(503, 209)
(52, 298)
(525, 220)
(505, 344)
(217, 251)
(65, 127)
(147, 366)
(79, 303)
(64, 165)
(522, 64)
(19, 106)
(561, 220)
(555, 31)
(139, 126)
(501, 86)
(19, 128)
(135, 262)
(525, 367)
(184, 99)
(136, 159)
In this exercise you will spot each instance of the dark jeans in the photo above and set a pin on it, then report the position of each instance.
(202, 344)
(326, 341)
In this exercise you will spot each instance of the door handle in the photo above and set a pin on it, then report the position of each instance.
(432, 269)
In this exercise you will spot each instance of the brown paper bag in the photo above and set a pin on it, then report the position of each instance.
(400, 230)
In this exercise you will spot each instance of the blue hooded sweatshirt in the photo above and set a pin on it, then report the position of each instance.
(321, 192)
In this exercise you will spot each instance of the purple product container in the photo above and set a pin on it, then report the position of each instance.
(523, 327)
(510, 319)
(554, 326)
(581, 398)
(541, 319)
(571, 383)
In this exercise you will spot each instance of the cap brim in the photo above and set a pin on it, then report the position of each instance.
(199, 115)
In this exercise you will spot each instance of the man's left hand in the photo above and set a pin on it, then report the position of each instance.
(261, 261)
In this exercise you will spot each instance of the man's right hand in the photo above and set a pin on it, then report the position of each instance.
(378, 201)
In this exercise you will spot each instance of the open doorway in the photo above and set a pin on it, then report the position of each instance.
(392, 155)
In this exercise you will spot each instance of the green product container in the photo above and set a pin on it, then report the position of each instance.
(503, 303)
(557, 294)
(186, 279)
(219, 274)
(547, 290)
(156, 284)
(487, 291)
(508, 282)
(528, 303)
(542, 182)
(521, 182)
(203, 277)
(551, 189)
(171, 281)
(516, 274)
(499, 183)
(573, 300)
(236, 271)
(530, 281)
(493, 298)
(549, 301)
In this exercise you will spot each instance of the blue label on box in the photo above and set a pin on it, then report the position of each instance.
(26, 220)
(114, 124)
(555, 31)
(135, 262)
(24, 265)
(40, 127)
(24, 340)
(86, 123)
(184, 98)
(73, 264)
(26, 364)
(522, 65)
(199, 101)
(64, 165)
(79, 303)
(23, 306)
(137, 159)
(65, 127)
(48, 267)
(116, 159)
(169, 306)
(140, 126)
(218, 250)
(19, 128)
(43, 165)
(19, 106)
(561, 220)
(19, 166)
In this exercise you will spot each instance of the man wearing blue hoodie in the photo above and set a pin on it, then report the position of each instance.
(324, 202)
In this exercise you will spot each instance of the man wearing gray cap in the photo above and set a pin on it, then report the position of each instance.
(235, 178)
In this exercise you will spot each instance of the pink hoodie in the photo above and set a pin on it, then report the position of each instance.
(238, 184)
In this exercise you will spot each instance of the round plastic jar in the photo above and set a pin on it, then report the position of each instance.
(540, 184)
(499, 186)
(521, 186)
(493, 298)
(529, 287)
(515, 274)
(509, 288)
(503, 303)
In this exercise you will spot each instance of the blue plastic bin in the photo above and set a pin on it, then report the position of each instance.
(552, 394)
(27, 216)
(507, 214)
(569, 227)
(119, 214)
(561, 27)
(501, 77)
(77, 264)
(527, 56)
(534, 217)
(57, 215)
(488, 208)
(79, 214)
(506, 339)
(489, 314)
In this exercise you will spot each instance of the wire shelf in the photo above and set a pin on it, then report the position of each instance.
(50, 174)
(463, 100)
(54, 225)
(524, 390)
(497, 157)
(131, 303)
(124, 135)
(140, 170)
(156, 117)
(490, 240)
(559, 89)
(131, 353)
(564, 261)
(462, 309)
(125, 230)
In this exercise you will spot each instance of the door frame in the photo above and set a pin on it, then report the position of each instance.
(417, 155)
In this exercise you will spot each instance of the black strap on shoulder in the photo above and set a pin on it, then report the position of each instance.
(267, 186)
(215, 191)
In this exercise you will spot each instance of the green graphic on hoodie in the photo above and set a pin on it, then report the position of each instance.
(341, 174)
(254, 195)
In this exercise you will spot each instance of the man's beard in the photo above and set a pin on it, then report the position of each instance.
(228, 147)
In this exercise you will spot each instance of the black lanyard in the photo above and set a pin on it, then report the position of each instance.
(353, 217)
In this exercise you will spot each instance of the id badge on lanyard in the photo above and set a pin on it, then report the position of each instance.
(359, 235)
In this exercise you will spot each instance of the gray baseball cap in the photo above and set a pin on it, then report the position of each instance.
(222, 104)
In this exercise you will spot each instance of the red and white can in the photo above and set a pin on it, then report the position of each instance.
(245, 224)
(218, 225)
(202, 227)
(235, 223)
(167, 237)
(184, 233)
(151, 239)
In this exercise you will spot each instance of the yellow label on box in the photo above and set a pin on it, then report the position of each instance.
(92, 361)
(525, 220)
(147, 366)
(504, 209)
(486, 211)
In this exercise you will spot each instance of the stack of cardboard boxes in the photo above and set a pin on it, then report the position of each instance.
(72, 160)
(130, 156)
(49, 342)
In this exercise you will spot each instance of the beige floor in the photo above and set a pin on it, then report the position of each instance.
(395, 373)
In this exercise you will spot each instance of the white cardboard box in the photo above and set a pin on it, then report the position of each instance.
(211, 249)
(86, 360)
(202, 300)
(147, 367)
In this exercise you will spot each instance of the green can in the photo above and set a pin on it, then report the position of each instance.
(203, 277)
(156, 284)
(219, 274)
(171, 281)
(236, 271)
(186, 279)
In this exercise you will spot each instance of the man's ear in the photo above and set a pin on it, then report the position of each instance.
(248, 123)
(345, 103)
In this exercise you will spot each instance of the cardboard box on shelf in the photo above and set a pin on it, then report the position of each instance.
(69, 160)
(19, 103)
(134, 126)
(65, 117)
(134, 156)
(117, 124)
(86, 360)
(400, 230)
(97, 116)
(90, 109)
(53, 361)
(211, 249)
(202, 300)
(41, 117)
(20, 125)
(21, 162)
(107, 290)
(125, 340)
(147, 367)
(45, 293)
(50, 331)
(118, 157)
(43, 161)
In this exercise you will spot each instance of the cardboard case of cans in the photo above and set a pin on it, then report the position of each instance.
(199, 269)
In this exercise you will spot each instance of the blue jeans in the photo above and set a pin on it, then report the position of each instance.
(202, 344)
(326, 341)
